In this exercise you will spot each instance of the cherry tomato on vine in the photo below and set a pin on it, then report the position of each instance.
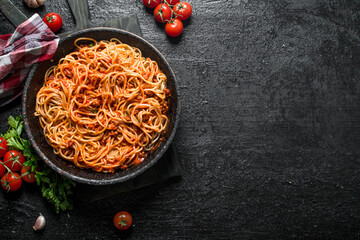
(3, 146)
(54, 21)
(27, 175)
(182, 10)
(174, 27)
(122, 220)
(151, 3)
(162, 13)
(2, 168)
(172, 2)
(11, 181)
(14, 160)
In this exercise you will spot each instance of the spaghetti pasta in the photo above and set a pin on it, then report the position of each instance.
(104, 106)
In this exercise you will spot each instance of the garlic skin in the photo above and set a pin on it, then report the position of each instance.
(34, 3)
(39, 223)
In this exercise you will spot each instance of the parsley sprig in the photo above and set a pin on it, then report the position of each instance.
(54, 187)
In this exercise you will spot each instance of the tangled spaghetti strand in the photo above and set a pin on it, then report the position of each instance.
(104, 106)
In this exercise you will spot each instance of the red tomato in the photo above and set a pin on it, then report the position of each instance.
(3, 146)
(182, 10)
(122, 220)
(14, 160)
(2, 168)
(11, 181)
(27, 175)
(54, 21)
(172, 2)
(162, 13)
(151, 3)
(174, 28)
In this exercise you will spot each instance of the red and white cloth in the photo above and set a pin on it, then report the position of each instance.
(31, 42)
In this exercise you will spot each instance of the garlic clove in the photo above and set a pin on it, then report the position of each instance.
(39, 223)
(34, 3)
(40, 2)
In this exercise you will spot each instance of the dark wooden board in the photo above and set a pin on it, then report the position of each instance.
(12, 13)
(80, 11)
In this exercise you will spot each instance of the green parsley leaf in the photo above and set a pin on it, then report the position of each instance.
(14, 122)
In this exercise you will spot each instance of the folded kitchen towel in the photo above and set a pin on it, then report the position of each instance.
(31, 42)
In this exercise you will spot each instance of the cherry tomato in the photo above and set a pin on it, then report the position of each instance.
(182, 10)
(14, 160)
(54, 21)
(162, 13)
(122, 220)
(172, 2)
(2, 168)
(151, 3)
(3, 146)
(11, 181)
(27, 175)
(174, 28)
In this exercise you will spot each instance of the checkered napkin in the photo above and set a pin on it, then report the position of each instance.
(31, 42)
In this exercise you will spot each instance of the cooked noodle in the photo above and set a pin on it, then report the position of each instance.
(104, 106)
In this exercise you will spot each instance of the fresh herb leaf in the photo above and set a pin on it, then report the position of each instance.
(64, 205)
(45, 179)
(20, 128)
(14, 122)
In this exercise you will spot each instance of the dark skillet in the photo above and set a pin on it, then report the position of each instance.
(35, 133)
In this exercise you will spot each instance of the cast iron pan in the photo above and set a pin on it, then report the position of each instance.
(35, 133)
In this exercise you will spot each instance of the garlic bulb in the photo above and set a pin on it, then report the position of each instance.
(34, 3)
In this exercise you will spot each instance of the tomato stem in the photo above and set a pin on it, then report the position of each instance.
(9, 171)
(50, 18)
(123, 222)
(173, 13)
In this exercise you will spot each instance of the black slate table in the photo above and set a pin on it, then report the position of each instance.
(269, 134)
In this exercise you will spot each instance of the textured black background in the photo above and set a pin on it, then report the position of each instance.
(269, 132)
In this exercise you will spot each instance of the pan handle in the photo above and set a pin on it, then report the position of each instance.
(12, 13)
(80, 11)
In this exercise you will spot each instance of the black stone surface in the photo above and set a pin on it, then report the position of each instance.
(269, 133)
